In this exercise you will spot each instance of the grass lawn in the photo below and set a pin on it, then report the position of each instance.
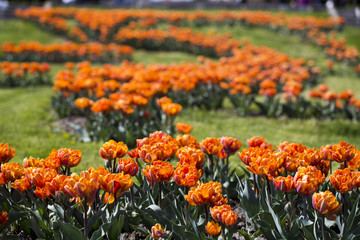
(29, 124)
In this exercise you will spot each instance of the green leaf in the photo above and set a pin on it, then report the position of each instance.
(12, 217)
(93, 219)
(245, 235)
(69, 231)
(140, 229)
(56, 208)
(350, 219)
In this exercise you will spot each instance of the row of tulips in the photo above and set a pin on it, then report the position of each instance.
(63, 52)
(105, 25)
(105, 202)
(24, 74)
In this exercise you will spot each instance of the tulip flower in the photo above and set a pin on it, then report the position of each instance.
(6, 153)
(3, 218)
(212, 228)
(326, 203)
(157, 231)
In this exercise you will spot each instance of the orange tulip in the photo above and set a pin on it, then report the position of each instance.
(354, 164)
(83, 103)
(111, 150)
(265, 164)
(31, 162)
(259, 142)
(42, 192)
(230, 145)
(6, 153)
(39, 176)
(159, 171)
(211, 146)
(210, 192)
(342, 180)
(157, 231)
(128, 166)
(187, 140)
(12, 171)
(3, 218)
(115, 184)
(21, 184)
(326, 203)
(56, 185)
(183, 128)
(87, 189)
(66, 157)
(307, 180)
(212, 228)
(191, 156)
(157, 151)
(224, 214)
(284, 184)
(186, 175)
(171, 109)
(343, 152)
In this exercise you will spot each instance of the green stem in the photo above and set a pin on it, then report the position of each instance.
(255, 185)
(211, 167)
(186, 212)
(132, 196)
(223, 231)
(160, 194)
(85, 206)
(268, 189)
(322, 227)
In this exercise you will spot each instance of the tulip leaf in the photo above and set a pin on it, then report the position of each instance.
(245, 235)
(307, 234)
(193, 223)
(174, 209)
(69, 231)
(191, 235)
(56, 208)
(351, 217)
(94, 218)
(98, 234)
(12, 217)
(140, 229)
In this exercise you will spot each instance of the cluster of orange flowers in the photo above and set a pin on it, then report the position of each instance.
(345, 98)
(336, 49)
(249, 67)
(310, 166)
(19, 69)
(175, 38)
(67, 51)
(50, 177)
(26, 73)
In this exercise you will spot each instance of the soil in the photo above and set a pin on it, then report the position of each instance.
(243, 222)
(70, 124)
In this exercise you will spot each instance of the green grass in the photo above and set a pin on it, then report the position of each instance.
(30, 126)
(17, 31)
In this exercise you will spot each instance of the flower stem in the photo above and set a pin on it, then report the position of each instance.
(160, 194)
(322, 227)
(268, 189)
(211, 167)
(227, 165)
(255, 185)
(132, 196)
(85, 219)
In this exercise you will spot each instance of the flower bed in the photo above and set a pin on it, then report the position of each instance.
(190, 200)
(63, 52)
(105, 25)
(24, 74)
